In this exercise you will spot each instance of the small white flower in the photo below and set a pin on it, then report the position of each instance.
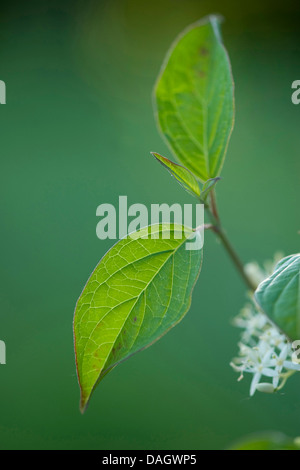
(274, 338)
(280, 362)
(256, 361)
(261, 367)
(252, 323)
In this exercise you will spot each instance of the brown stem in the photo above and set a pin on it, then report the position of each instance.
(218, 230)
(214, 208)
(234, 257)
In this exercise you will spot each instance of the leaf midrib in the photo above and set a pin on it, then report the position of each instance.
(132, 298)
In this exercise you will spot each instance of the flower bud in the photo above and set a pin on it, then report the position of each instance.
(265, 388)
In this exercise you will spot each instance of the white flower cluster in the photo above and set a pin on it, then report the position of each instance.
(263, 351)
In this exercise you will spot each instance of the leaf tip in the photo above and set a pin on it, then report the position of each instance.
(157, 156)
(217, 17)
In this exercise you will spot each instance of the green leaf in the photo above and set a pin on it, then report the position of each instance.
(279, 296)
(267, 441)
(194, 99)
(184, 176)
(139, 290)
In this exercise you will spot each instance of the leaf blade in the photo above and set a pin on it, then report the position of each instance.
(181, 174)
(119, 314)
(279, 296)
(266, 441)
(194, 100)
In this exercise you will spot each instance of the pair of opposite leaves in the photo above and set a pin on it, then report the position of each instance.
(142, 287)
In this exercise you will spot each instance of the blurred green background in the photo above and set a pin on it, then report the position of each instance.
(76, 132)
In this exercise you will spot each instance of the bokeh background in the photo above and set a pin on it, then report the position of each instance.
(76, 132)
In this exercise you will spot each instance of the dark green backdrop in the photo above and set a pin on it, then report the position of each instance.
(77, 131)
